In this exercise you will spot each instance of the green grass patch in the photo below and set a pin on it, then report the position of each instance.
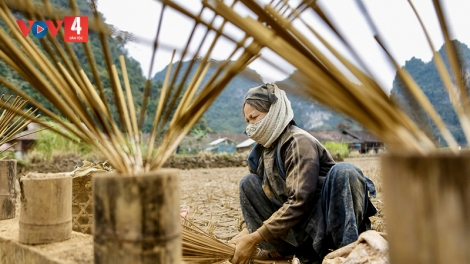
(49, 144)
(339, 151)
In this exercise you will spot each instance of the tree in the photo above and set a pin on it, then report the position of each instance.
(343, 126)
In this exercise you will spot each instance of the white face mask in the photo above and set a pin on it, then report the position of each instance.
(252, 128)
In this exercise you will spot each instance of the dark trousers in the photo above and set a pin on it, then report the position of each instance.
(343, 210)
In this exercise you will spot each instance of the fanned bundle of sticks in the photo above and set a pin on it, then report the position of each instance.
(13, 120)
(329, 82)
(201, 247)
(59, 77)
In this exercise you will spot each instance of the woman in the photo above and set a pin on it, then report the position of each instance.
(296, 201)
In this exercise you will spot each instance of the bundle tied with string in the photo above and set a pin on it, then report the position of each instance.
(326, 76)
(57, 75)
(86, 99)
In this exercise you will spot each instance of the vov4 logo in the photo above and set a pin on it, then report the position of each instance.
(75, 28)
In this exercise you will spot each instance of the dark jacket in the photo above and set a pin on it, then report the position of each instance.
(305, 161)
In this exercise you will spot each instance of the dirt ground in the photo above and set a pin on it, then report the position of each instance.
(211, 195)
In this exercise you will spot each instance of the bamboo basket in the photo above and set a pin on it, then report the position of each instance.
(7, 189)
(427, 207)
(135, 220)
(46, 208)
(82, 204)
(82, 195)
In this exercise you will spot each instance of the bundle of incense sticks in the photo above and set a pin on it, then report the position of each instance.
(326, 76)
(81, 99)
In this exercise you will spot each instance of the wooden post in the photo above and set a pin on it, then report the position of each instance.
(427, 207)
(7, 189)
(136, 218)
(46, 208)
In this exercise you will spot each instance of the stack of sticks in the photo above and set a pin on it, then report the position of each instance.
(326, 76)
(201, 247)
(14, 120)
(59, 78)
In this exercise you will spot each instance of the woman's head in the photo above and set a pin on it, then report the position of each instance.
(254, 110)
(267, 112)
(258, 100)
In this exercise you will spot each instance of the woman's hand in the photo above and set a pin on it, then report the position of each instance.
(244, 247)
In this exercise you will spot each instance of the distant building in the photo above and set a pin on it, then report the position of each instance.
(24, 140)
(245, 145)
(365, 141)
(361, 140)
(221, 145)
(331, 136)
(238, 138)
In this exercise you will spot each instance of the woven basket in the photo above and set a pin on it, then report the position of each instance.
(82, 202)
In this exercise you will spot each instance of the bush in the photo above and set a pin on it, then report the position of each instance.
(339, 151)
(49, 144)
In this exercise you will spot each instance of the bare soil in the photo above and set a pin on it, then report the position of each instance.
(212, 197)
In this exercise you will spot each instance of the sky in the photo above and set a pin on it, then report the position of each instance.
(395, 21)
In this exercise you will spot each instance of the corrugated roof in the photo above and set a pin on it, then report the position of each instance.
(217, 141)
(246, 143)
(349, 136)
(5, 146)
(329, 135)
(33, 136)
(238, 138)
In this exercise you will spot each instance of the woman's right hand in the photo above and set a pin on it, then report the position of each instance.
(244, 247)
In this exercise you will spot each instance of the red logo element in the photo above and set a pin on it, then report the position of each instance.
(50, 25)
(25, 30)
(53, 29)
(76, 29)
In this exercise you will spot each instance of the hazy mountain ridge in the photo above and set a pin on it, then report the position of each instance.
(225, 114)
(428, 78)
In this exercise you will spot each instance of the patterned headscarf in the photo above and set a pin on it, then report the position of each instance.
(268, 129)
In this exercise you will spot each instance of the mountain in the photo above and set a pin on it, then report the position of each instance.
(310, 114)
(225, 115)
(427, 77)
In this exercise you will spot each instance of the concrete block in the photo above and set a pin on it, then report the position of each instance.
(76, 250)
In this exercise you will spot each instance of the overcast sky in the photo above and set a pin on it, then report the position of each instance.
(394, 18)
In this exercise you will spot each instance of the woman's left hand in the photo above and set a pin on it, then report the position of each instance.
(244, 247)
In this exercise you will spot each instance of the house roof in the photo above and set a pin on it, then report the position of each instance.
(238, 138)
(30, 129)
(347, 136)
(217, 141)
(326, 135)
(220, 140)
(5, 146)
(246, 143)
(363, 135)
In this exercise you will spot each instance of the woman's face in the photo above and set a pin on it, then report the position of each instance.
(252, 115)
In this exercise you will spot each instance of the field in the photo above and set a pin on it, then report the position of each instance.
(211, 195)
